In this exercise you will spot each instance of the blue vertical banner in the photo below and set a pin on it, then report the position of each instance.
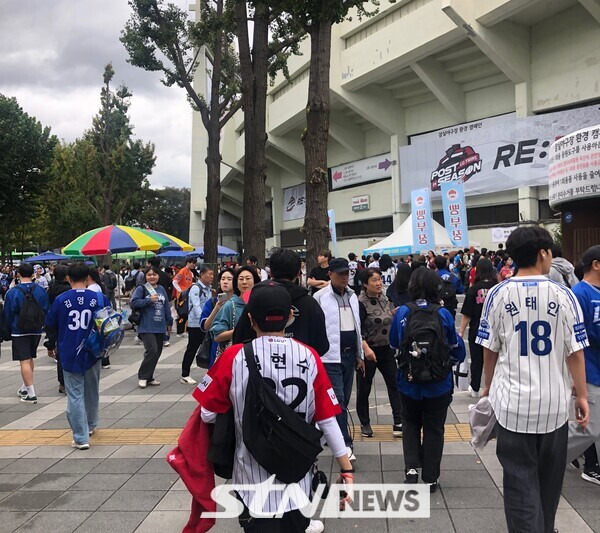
(455, 213)
(422, 223)
(332, 232)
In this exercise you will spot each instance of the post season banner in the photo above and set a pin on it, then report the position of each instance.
(422, 222)
(361, 171)
(494, 154)
(455, 213)
(294, 202)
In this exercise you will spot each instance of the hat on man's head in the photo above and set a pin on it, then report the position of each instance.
(590, 255)
(339, 265)
(269, 305)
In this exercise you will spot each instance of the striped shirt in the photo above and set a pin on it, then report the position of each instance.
(300, 380)
(534, 324)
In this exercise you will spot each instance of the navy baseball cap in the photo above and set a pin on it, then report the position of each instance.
(339, 265)
(269, 305)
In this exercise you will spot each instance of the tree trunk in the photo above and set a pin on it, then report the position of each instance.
(253, 68)
(213, 158)
(315, 141)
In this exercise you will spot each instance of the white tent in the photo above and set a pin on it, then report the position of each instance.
(401, 241)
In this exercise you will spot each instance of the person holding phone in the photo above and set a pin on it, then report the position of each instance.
(155, 320)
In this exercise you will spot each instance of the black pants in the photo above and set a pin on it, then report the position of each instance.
(153, 344)
(181, 322)
(534, 467)
(429, 415)
(195, 338)
(386, 364)
(59, 372)
(290, 522)
(476, 351)
(591, 458)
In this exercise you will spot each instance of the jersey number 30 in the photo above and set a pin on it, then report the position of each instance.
(540, 337)
(79, 320)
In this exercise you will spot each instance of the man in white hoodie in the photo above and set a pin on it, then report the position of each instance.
(561, 270)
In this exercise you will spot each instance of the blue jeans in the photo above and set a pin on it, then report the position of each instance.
(341, 376)
(83, 397)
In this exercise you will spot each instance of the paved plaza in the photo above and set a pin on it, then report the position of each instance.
(122, 483)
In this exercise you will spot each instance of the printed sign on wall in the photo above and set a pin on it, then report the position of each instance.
(362, 171)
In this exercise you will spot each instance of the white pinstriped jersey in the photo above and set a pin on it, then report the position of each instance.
(534, 324)
(300, 380)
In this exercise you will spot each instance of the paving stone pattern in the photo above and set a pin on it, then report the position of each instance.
(122, 487)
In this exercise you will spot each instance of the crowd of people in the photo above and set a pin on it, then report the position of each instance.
(533, 342)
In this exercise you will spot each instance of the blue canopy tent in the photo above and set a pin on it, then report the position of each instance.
(222, 251)
(47, 256)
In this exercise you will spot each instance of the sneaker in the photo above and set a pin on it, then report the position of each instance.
(85, 446)
(592, 475)
(29, 399)
(61, 389)
(142, 383)
(397, 430)
(433, 487)
(92, 431)
(137, 340)
(351, 455)
(366, 430)
(166, 343)
(474, 393)
(411, 476)
(106, 366)
(21, 393)
(154, 382)
(179, 335)
(315, 526)
(187, 380)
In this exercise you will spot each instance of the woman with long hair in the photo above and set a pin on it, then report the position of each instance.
(376, 315)
(223, 325)
(397, 292)
(155, 322)
(485, 279)
(426, 395)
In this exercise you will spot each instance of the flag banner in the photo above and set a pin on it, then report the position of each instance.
(294, 202)
(455, 213)
(423, 239)
(332, 232)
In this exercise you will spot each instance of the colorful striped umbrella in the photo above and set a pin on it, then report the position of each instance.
(115, 239)
(175, 244)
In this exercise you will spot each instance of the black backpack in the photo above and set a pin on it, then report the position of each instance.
(111, 281)
(425, 354)
(31, 316)
(4, 327)
(182, 304)
(130, 282)
(448, 295)
(280, 440)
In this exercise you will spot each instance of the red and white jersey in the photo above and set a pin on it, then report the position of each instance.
(534, 324)
(300, 381)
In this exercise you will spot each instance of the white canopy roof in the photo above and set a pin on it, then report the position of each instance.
(401, 241)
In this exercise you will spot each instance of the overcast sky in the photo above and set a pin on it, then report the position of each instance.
(52, 57)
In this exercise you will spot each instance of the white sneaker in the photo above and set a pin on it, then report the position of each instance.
(315, 526)
(166, 343)
(188, 380)
(474, 394)
(154, 383)
(80, 446)
(351, 455)
(138, 340)
(142, 383)
(179, 335)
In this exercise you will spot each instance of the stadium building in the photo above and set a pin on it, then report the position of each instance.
(425, 91)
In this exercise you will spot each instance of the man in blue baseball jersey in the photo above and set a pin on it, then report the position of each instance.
(68, 324)
(587, 441)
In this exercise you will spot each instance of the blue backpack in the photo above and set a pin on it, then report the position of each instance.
(106, 333)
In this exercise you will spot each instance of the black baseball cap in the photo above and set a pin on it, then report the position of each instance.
(339, 265)
(590, 255)
(270, 304)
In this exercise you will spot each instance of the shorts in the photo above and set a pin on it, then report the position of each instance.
(24, 348)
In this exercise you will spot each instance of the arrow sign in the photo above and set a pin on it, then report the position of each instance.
(337, 175)
(385, 164)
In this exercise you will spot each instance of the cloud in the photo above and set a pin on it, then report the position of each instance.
(52, 57)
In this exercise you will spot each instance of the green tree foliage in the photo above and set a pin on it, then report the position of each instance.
(165, 210)
(25, 153)
(160, 38)
(111, 167)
